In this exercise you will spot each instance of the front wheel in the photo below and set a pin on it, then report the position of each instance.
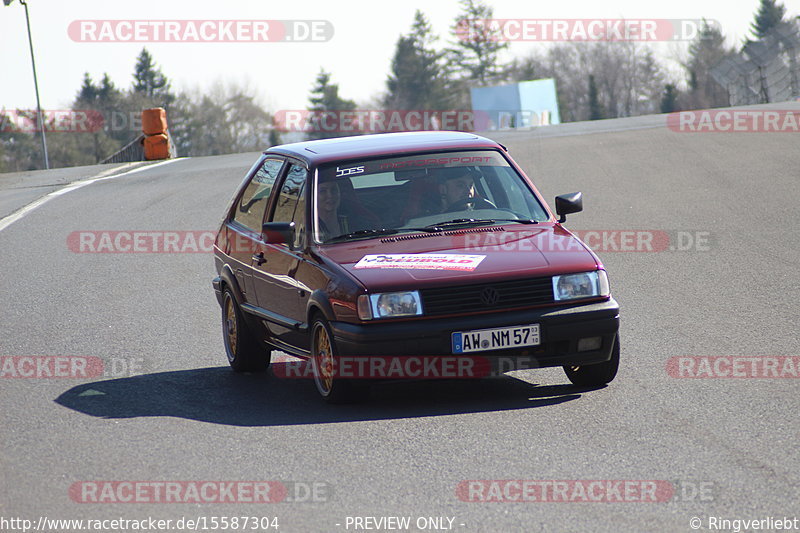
(246, 353)
(323, 360)
(597, 374)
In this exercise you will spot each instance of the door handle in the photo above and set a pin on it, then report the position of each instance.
(258, 258)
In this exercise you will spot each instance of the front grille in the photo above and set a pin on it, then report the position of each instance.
(487, 296)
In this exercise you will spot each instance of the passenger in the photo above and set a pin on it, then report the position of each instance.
(331, 222)
(340, 213)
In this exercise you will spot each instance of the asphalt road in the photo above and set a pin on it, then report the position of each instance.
(169, 409)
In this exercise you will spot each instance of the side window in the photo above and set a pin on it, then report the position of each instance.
(291, 206)
(250, 208)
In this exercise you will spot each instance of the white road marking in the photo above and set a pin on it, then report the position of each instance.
(16, 215)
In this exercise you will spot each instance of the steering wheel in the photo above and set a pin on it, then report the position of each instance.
(476, 201)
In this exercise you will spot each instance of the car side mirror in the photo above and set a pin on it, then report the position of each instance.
(278, 233)
(568, 203)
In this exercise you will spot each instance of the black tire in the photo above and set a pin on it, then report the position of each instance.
(598, 374)
(323, 355)
(246, 353)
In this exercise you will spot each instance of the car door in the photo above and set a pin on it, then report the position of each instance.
(244, 223)
(279, 293)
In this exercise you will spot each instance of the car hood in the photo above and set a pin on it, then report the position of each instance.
(472, 255)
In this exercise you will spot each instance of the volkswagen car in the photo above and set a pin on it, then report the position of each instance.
(425, 246)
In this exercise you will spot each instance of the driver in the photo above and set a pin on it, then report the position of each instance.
(457, 189)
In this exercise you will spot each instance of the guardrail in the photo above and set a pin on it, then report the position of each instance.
(133, 151)
(154, 142)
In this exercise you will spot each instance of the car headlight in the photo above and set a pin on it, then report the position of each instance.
(582, 285)
(389, 305)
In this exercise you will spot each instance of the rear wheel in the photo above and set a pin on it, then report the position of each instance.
(246, 353)
(597, 374)
(323, 360)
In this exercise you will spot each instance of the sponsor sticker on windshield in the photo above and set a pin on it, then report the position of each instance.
(422, 261)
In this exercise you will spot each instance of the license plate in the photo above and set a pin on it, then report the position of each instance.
(480, 340)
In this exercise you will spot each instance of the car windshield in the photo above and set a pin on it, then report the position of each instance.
(427, 192)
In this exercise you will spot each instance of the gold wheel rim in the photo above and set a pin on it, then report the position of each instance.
(323, 360)
(231, 327)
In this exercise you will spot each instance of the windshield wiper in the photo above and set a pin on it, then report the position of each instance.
(479, 222)
(520, 220)
(431, 228)
(460, 222)
(375, 232)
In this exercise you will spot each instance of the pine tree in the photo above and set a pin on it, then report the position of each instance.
(475, 55)
(88, 90)
(148, 81)
(417, 80)
(107, 90)
(106, 132)
(706, 52)
(325, 99)
(769, 14)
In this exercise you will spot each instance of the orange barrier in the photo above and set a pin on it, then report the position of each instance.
(156, 147)
(154, 121)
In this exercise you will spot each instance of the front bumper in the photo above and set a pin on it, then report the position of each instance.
(217, 284)
(560, 329)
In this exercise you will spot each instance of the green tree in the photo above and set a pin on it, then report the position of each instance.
(706, 52)
(88, 90)
(476, 53)
(417, 80)
(669, 102)
(596, 111)
(324, 100)
(148, 81)
(108, 100)
(770, 14)
(109, 129)
(19, 150)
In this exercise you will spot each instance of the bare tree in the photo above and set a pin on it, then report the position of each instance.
(628, 78)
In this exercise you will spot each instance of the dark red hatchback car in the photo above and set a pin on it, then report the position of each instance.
(430, 247)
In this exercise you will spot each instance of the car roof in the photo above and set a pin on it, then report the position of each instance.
(381, 144)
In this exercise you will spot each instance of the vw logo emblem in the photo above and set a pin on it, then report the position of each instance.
(490, 296)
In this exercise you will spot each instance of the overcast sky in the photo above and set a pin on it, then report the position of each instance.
(282, 73)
